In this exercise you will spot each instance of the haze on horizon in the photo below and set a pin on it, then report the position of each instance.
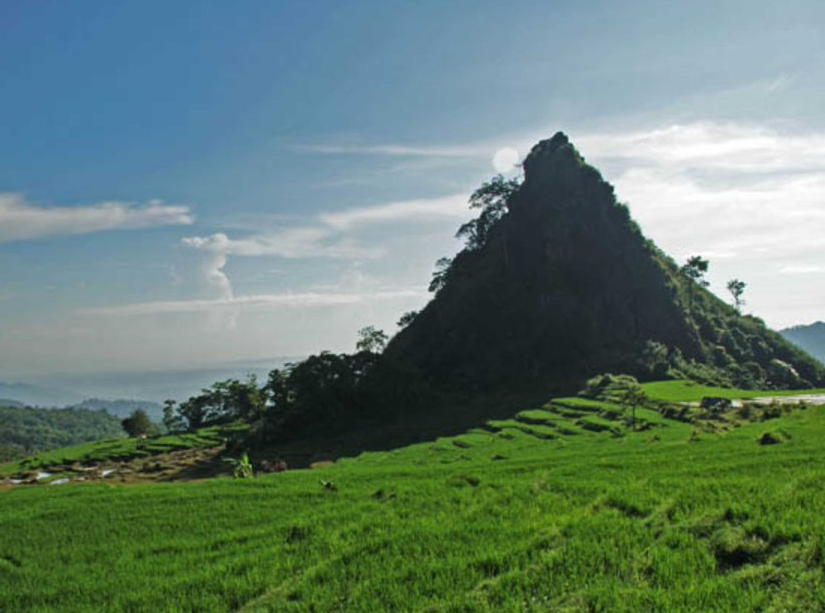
(194, 184)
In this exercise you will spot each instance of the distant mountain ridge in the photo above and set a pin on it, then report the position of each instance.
(38, 395)
(565, 286)
(810, 337)
(122, 408)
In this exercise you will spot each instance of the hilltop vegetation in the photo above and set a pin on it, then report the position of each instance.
(27, 430)
(537, 513)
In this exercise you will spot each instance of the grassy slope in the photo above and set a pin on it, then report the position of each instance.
(687, 391)
(116, 450)
(492, 520)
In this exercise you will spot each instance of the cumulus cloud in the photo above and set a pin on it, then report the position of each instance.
(22, 220)
(326, 237)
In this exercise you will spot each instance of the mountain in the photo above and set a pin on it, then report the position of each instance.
(38, 395)
(810, 338)
(122, 408)
(6, 402)
(565, 286)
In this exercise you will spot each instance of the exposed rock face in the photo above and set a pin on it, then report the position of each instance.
(567, 286)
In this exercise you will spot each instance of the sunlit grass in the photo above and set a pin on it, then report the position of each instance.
(656, 520)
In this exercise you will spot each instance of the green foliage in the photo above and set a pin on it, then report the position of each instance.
(583, 522)
(406, 319)
(328, 391)
(441, 274)
(29, 430)
(493, 199)
(223, 403)
(371, 340)
(316, 392)
(172, 421)
(737, 289)
(138, 424)
(610, 387)
(241, 467)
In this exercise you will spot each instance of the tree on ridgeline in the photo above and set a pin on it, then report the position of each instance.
(694, 270)
(493, 199)
(371, 339)
(442, 270)
(737, 289)
(406, 319)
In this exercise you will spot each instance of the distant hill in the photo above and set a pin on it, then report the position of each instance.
(28, 430)
(122, 408)
(6, 402)
(811, 338)
(38, 395)
(565, 286)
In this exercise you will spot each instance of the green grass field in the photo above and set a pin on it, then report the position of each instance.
(536, 513)
(689, 391)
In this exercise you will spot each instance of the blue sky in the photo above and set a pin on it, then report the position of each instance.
(186, 184)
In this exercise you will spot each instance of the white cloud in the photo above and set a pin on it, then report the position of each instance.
(453, 206)
(712, 146)
(396, 150)
(258, 302)
(21, 220)
(288, 243)
(327, 235)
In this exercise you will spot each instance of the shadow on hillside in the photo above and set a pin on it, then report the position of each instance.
(448, 417)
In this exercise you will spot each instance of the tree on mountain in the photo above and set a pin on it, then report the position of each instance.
(694, 270)
(492, 198)
(737, 289)
(406, 319)
(138, 424)
(442, 270)
(371, 339)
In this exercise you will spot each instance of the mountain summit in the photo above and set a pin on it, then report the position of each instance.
(565, 286)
